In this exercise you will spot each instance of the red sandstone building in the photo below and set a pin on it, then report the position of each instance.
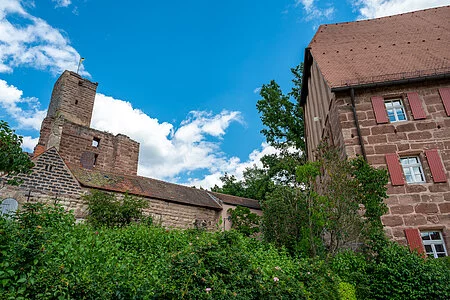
(71, 159)
(381, 89)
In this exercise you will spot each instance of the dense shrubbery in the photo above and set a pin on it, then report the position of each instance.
(44, 255)
(106, 209)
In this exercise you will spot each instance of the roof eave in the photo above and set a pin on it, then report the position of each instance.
(307, 63)
(390, 82)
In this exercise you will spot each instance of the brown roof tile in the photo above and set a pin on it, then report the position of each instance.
(143, 186)
(409, 45)
(228, 199)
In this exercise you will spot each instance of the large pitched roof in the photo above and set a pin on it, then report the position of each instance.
(143, 186)
(409, 45)
(233, 200)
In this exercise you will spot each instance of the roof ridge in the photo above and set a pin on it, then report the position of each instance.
(384, 17)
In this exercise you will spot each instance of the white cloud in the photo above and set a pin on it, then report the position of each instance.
(24, 110)
(29, 143)
(32, 42)
(257, 90)
(166, 151)
(233, 166)
(62, 3)
(381, 8)
(313, 12)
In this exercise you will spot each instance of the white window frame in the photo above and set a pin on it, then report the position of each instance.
(414, 169)
(433, 243)
(390, 105)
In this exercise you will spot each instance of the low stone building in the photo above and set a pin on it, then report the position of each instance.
(71, 159)
(381, 89)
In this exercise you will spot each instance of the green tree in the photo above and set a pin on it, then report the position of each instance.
(255, 185)
(282, 118)
(244, 221)
(13, 161)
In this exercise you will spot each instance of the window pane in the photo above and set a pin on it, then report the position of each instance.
(439, 247)
(441, 255)
(435, 235)
(428, 249)
(401, 116)
(388, 104)
(397, 103)
(425, 235)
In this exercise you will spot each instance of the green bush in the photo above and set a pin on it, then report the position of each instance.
(44, 255)
(395, 273)
(105, 209)
(244, 221)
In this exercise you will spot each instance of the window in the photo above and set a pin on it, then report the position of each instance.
(395, 110)
(96, 142)
(412, 169)
(8, 207)
(433, 243)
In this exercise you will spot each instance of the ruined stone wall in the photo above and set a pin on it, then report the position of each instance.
(117, 154)
(423, 205)
(75, 143)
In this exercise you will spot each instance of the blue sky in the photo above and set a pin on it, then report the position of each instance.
(180, 77)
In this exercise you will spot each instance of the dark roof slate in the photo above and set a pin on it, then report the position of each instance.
(233, 200)
(143, 186)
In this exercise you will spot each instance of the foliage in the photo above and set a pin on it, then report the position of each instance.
(44, 255)
(282, 220)
(23, 242)
(255, 185)
(244, 221)
(282, 118)
(346, 291)
(140, 262)
(106, 209)
(322, 213)
(395, 273)
(13, 160)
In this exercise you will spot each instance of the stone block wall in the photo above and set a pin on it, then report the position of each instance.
(167, 214)
(425, 205)
(112, 153)
(73, 97)
(116, 154)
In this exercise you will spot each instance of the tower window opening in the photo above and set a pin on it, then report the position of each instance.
(76, 101)
(95, 142)
(95, 159)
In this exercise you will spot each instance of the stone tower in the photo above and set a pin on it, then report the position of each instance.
(73, 97)
(67, 128)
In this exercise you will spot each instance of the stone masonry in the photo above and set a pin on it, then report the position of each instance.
(66, 128)
(426, 205)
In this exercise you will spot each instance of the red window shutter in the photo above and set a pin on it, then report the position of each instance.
(414, 240)
(445, 96)
(436, 166)
(416, 106)
(395, 169)
(379, 109)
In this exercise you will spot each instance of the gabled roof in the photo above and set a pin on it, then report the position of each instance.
(146, 187)
(409, 45)
(233, 200)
